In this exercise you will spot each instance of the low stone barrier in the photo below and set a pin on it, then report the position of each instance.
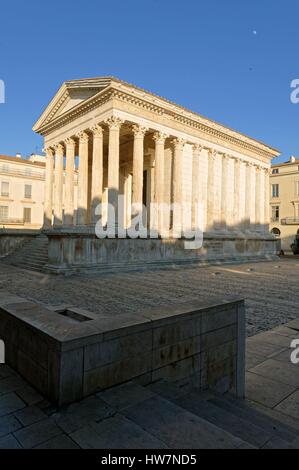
(70, 353)
(11, 240)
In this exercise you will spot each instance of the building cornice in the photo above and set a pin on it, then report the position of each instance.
(124, 92)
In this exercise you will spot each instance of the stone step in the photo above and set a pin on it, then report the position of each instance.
(33, 255)
(178, 428)
(230, 414)
(223, 419)
(245, 410)
(275, 417)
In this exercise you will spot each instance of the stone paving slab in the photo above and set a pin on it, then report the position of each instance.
(163, 419)
(270, 289)
(117, 432)
(36, 434)
(266, 391)
(290, 405)
(282, 372)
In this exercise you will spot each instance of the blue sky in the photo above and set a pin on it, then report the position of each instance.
(231, 61)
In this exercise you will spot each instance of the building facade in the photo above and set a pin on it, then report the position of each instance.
(284, 202)
(154, 153)
(22, 192)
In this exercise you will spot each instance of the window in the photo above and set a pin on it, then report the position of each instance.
(27, 215)
(28, 191)
(297, 188)
(4, 189)
(275, 171)
(275, 190)
(3, 213)
(275, 213)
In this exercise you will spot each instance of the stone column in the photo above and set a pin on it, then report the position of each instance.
(211, 190)
(58, 198)
(237, 193)
(178, 186)
(248, 194)
(114, 124)
(267, 199)
(69, 182)
(97, 171)
(224, 189)
(159, 138)
(196, 187)
(138, 163)
(48, 208)
(258, 198)
(82, 212)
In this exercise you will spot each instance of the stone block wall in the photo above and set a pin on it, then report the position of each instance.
(66, 359)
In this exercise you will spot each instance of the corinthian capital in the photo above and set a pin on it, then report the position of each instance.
(179, 143)
(197, 148)
(83, 137)
(70, 143)
(160, 137)
(59, 149)
(97, 130)
(49, 151)
(114, 123)
(139, 131)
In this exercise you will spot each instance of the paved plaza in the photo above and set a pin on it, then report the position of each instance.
(123, 416)
(164, 415)
(269, 288)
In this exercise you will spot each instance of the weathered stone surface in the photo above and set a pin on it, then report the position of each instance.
(8, 424)
(10, 403)
(30, 415)
(266, 391)
(59, 442)
(176, 423)
(284, 372)
(37, 433)
(116, 433)
(9, 442)
(125, 395)
(290, 405)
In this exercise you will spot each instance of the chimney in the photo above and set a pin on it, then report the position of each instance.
(292, 159)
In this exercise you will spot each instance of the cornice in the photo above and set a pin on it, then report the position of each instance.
(120, 91)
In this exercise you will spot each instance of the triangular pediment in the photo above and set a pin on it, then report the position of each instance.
(71, 94)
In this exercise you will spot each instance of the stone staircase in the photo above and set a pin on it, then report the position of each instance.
(32, 255)
(165, 415)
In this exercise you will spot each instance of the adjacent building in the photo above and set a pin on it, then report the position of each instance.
(284, 202)
(132, 143)
(22, 183)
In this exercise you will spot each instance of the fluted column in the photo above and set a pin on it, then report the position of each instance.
(224, 189)
(248, 194)
(69, 182)
(211, 190)
(159, 138)
(196, 189)
(237, 193)
(178, 186)
(82, 212)
(97, 170)
(58, 197)
(258, 198)
(48, 207)
(138, 163)
(267, 198)
(114, 125)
